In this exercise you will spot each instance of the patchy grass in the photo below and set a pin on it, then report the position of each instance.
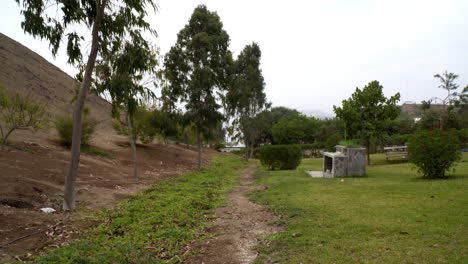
(94, 151)
(155, 225)
(391, 216)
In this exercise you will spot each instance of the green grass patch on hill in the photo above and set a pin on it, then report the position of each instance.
(94, 151)
(154, 226)
(391, 216)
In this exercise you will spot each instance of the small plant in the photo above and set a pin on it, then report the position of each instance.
(434, 152)
(280, 157)
(350, 143)
(90, 150)
(64, 126)
(18, 112)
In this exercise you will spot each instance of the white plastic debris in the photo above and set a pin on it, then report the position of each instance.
(47, 210)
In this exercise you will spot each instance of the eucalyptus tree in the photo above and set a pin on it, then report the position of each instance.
(368, 111)
(106, 23)
(246, 97)
(121, 74)
(197, 70)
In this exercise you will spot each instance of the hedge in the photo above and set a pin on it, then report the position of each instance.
(280, 157)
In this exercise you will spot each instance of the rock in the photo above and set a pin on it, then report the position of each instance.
(47, 210)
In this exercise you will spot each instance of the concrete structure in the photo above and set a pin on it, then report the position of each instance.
(345, 161)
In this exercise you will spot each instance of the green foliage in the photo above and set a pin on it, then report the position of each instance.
(64, 127)
(280, 157)
(267, 119)
(143, 128)
(370, 111)
(362, 220)
(295, 129)
(246, 96)
(155, 225)
(197, 68)
(19, 112)
(434, 152)
(61, 26)
(350, 143)
(396, 140)
(94, 151)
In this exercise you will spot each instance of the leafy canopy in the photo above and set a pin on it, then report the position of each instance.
(197, 67)
(246, 96)
(369, 108)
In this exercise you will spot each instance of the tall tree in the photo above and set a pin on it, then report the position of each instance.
(296, 129)
(246, 96)
(107, 22)
(197, 70)
(121, 74)
(267, 119)
(368, 112)
(447, 80)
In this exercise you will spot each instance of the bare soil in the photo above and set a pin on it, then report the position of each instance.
(32, 173)
(242, 224)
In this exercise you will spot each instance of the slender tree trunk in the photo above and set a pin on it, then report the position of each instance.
(132, 138)
(70, 180)
(251, 150)
(6, 136)
(246, 154)
(199, 143)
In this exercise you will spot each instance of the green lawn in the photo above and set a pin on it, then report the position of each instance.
(390, 216)
(155, 225)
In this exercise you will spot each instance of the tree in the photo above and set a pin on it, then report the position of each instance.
(295, 129)
(368, 112)
(197, 70)
(447, 83)
(108, 21)
(19, 112)
(121, 74)
(267, 119)
(246, 96)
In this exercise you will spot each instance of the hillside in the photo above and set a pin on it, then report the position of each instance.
(33, 166)
(27, 73)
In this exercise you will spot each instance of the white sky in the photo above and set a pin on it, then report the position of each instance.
(315, 53)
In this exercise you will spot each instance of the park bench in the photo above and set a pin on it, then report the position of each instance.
(396, 152)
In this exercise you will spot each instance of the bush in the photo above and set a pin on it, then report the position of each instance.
(434, 152)
(282, 157)
(351, 143)
(64, 126)
(19, 112)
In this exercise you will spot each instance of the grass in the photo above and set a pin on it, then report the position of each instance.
(155, 225)
(94, 151)
(390, 216)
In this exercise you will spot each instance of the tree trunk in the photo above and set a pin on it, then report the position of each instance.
(70, 180)
(6, 136)
(133, 144)
(199, 143)
(251, 150)
(246, 154)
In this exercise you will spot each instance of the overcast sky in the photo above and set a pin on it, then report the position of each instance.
(315, 53)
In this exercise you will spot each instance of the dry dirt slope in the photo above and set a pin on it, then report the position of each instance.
(33, 167)
(25, 72)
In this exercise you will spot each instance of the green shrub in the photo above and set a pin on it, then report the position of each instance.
(352, 143)
(64, 126)
(434, 152)
(282, 157)
(19, 112)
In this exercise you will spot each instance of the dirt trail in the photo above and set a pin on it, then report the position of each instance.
(242, 223)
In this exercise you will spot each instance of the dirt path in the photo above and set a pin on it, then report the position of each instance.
(242, 224)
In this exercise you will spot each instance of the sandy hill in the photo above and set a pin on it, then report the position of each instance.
(26, 72)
